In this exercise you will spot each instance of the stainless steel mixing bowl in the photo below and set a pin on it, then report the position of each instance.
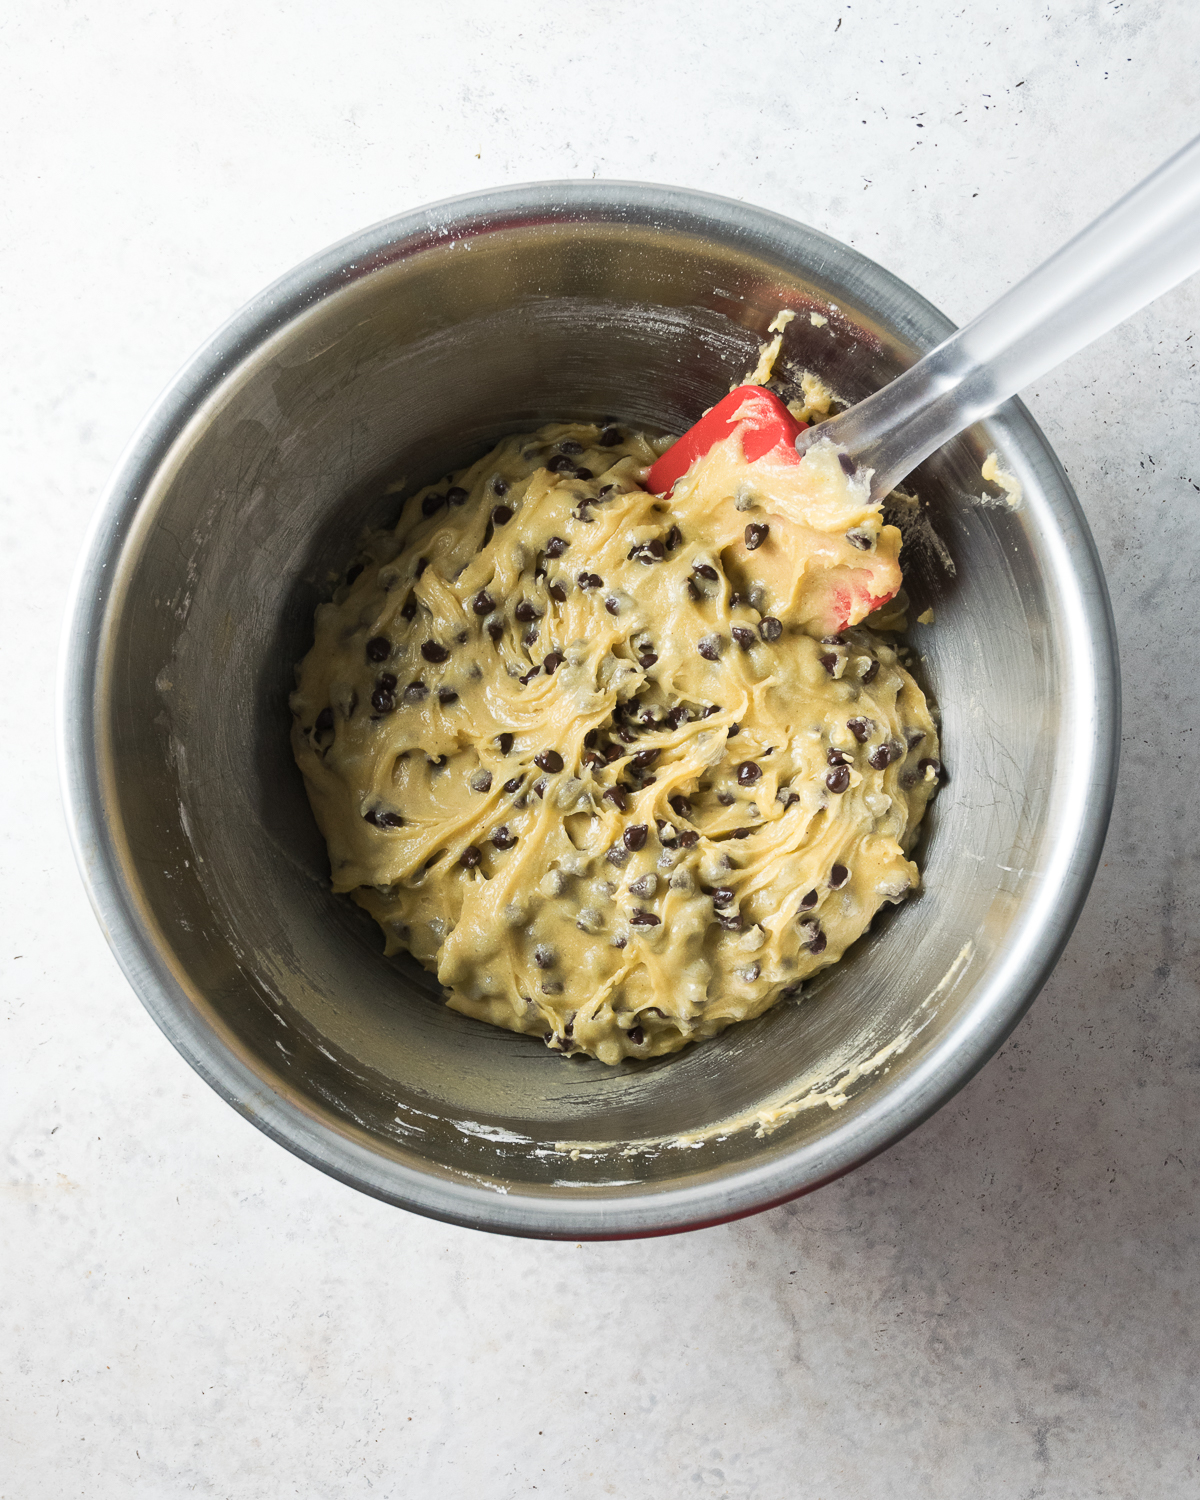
(404, 351)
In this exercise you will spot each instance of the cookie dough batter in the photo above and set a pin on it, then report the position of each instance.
(621, 770)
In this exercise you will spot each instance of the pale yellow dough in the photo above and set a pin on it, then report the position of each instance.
(627, 924)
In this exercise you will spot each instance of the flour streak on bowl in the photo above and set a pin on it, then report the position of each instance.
(243, 494)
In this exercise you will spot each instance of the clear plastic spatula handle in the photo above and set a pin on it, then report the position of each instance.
(1145, 244)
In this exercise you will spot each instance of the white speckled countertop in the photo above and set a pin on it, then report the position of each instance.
(1006, 1304)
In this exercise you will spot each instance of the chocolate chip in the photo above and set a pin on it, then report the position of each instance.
(470, 856)
(549, 760)
(731, 922)
(838, 877)
(481, 781)
(432, 504)
(860, 728)
(483, 603)
(880, 758)
(561, 464)
(645, 758)
(569, 445)
(710, 648)
(640, 918)
(635, 1033)
(422, 564)
(556, 546)
(502, 515)
(499, 486)
(849, 467)
(687, 838)
(526, 612)
(382, 701)
(837, 757)
(558, 593)
(735, 601)
(531, 674)
(743, 635)
(543, 956)
(741, 833)
(540, 785)
(647, 660)
(722, 896)
(505, 741)
(809, 901)
(693, 589)
(495, 630)
(635, 836)
(829, 661)
(734, 729)
(379, 648)
(609, 438)
(666, 832)
(431, 651)
(833, 640)
(447, 695)
(870, 674)
(617, 797)
(324, 721)
(582, 473)
(857, 539)
(354, 572)
(613, 752)
(680, 806)
(706, 570)
(617, 855)
(672, 538)
(612, 606)
(756, 534)
(513, 786)
(553, 661)
(415, 692)
(913, 737)
(584, 580)
(748, 773)
(770, 628)
(931, 763)
(503, 839)
(818, 944)
(678, 715)
(382, 819)
(838, 779)
(456, 495)
(410, 607)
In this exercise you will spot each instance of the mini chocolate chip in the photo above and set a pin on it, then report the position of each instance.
(503, 839)
(470, 856)
(620, 941)
(809, 901)
(431, 651)
(651, 551)
(726, 799)
(635, 836)
(680, 806)
(743, 635)
(880, 758)
(748, 773)
(731, 922)
(693, 589)
(722, 896)
(829, 661)
(678, 715)
(558, 593)
(556, 546)
(481, 781)
(706, 570)
(583, 473)
(613, 606)
(617, 797)
(640, 918)
(609, 438)
(415, 692)
(324, 721)
(422, 564)
(857, 539)
(526, 612)
(501, 515)
(614, 752)
(514, 785)
(561, 464)
(410, 607)
(860, 728)
(837, 757)
(770, 628)
(710, 648)
(756, 534)
(549, 760)
(849, 467)
(540, 786)
(687, 838)
(379, 648)
(838, 877)
(741, 833)
(495, 630)
(543, 956)
(432, 504)
(635, 1033)
(584, 580)
(499, 486)
(672, 538)
(354, 572)
(382, 702)
(447, 695)
(483, 603)
(713, 708)
(645, 757)
(381, 819)
(733, 729)
(931, 762)
(870, 674)
(569, 445)
(553, 662)
(735, 601)
(531, 674)
(456, 495)
(913, 737)
(838, 779)
(505, 741)
(647, 660)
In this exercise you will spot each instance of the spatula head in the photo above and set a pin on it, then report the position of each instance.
(768, 427)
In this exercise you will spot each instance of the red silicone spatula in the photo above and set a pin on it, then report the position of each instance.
(767, 427)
